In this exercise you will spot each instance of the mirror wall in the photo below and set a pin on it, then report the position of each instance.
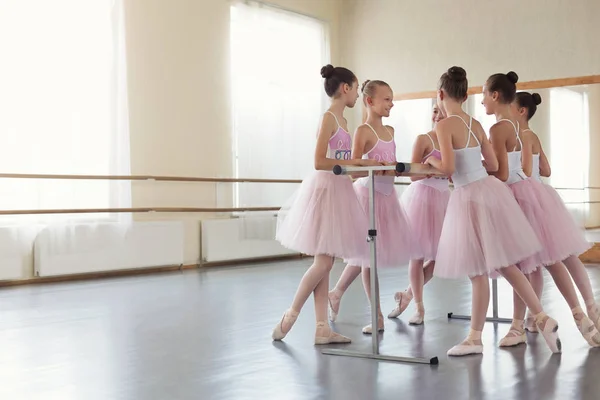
(568, 124)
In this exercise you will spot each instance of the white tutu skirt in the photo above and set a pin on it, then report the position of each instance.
(484, 231)
(324, 217)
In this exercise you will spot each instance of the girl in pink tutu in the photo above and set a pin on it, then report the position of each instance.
(324, 218)
(484, 231)
(425, 203)
(375, 141)
(499, 93)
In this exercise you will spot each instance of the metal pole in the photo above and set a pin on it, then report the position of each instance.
(495, 318)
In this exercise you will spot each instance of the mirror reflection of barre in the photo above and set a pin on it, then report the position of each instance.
(401, 168)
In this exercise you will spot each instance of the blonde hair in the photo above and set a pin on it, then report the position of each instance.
(369, 88)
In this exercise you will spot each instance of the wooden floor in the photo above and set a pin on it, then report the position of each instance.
(206, 335)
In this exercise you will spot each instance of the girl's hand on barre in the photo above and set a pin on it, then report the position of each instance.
(391, 172)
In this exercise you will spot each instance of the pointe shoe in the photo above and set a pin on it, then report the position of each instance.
(548, 327)
(402, 301)
(325, 335)
(466, 348)
(588, 330)
(594, 315)
(290, 318)
(334, 304)
(368, 330)
(514, 337)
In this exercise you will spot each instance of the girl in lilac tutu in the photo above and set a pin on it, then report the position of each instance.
(499, 92)
(425, 203)
(484, 231)
(324, 218)
(375, 141)
(556, 229)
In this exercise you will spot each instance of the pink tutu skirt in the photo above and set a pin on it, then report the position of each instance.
(564, 238)
(425, 207)
(484, 231)
(393, 243)
(529, 195)
(324, 217)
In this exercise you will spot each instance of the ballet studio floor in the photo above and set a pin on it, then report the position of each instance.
(207, 335)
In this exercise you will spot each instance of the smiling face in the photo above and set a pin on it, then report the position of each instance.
(350, 94)
(381, 101)
(489, 101)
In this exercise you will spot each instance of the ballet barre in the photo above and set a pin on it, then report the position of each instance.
(406, 169)
(494, 318)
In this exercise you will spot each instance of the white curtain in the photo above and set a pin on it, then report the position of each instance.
(278, 97)
(63, 107)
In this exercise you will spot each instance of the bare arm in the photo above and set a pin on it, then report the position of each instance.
(498, 139)
(418, 152)
(544, 164)
(527, 154)
(444, 135)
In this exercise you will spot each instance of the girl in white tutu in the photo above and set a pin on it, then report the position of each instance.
(484, 231)
(375, 141)
(324, 218)
(425, 202)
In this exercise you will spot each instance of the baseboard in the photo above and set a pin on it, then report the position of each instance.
(592, 256)
(285, 257)
(96, 275)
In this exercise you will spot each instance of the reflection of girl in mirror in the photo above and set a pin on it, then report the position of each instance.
(425, 202)
(562, 239)
(484, 231)
(499, 94)
(375, 141)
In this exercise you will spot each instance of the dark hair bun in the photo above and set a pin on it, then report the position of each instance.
(365, 83)
(457, 73)
(537, 99)
(327, 71)
(512, 76)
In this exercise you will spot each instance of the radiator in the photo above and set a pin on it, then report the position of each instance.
(231, 239)
(84, 248)
(16, 244)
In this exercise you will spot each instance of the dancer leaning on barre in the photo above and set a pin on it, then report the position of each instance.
(498, 94)
(484, 230)
(324, 218)
(559, 236)
(376, 142)
(425, 202)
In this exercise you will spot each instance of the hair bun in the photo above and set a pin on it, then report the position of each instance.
(537, 99)
(327, 71)
(457, 73)
(512, 76)
(365, 83)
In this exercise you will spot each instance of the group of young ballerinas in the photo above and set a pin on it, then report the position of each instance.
(500, 219)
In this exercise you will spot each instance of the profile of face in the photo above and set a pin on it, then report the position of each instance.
(349, 94)
(437, 114)
(519, 112)
(382, 101)
(490, 101)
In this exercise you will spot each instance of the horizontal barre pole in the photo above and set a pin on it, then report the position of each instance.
(401, 168)
(146, 178)
(138, 210)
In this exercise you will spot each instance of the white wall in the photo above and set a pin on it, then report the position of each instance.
(411, 43)
(178, 53)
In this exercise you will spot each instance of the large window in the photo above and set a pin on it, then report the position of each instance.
(278, 98)
(63, 105)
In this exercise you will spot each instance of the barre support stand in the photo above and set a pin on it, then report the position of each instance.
(372, 239)
(494, 318)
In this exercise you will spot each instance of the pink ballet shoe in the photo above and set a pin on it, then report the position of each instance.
(368, 330)
(594, 314)
(289, 318)
(466, 348)
(530, 324)
(417, 319)
(548, 327)
(325, 335)
(402, 301)
(334, 304)
(514, 337)
(586, 327)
